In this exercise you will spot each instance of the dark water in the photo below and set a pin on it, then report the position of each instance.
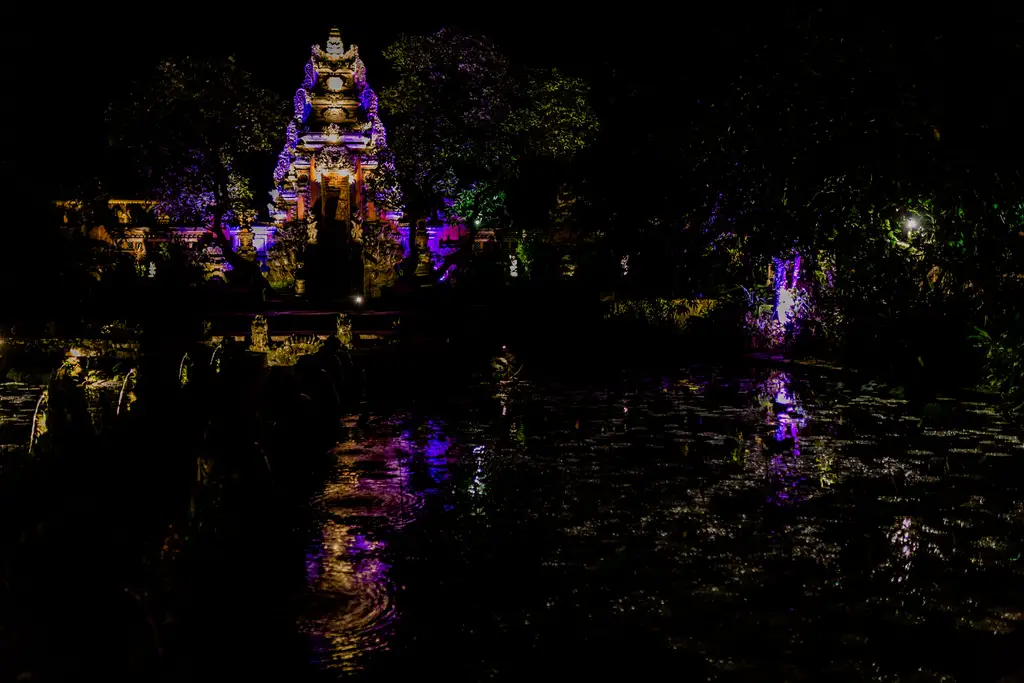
(17, 407)
(752, 528)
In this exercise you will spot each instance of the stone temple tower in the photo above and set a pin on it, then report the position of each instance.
(334, 181)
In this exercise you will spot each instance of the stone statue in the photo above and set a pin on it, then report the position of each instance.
(245, 246)
(260, 336)
(381, 256)
(344, 331)
(422, 240)
(311, 231)
(357, 229)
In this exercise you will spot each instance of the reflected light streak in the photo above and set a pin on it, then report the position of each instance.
(345, 570)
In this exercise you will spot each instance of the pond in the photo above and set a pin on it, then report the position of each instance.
(17, 407)
(733, 526)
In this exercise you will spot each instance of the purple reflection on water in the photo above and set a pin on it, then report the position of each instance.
(434, 449)
(345, 570)
(784, 467)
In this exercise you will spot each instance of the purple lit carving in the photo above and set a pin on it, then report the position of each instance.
(358, 68)
(310, 80)
(284, 163)
(368, 99)
(300, 104)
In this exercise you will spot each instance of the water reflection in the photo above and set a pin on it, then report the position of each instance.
(905, 545)
(765, 527)
(379, 484)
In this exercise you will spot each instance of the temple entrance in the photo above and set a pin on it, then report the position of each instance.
(338, 271)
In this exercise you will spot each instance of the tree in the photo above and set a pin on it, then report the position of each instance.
(192, 124)
(465, 121)
(836, 141)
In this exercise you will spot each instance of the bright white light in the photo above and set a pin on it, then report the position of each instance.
(913, 224)
(478, 221)
(784, 310)
(359, 301)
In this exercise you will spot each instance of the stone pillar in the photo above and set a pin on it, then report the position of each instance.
(423, 265)
(260, 337)
(344, 331)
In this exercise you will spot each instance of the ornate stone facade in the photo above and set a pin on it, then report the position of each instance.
(137, 227)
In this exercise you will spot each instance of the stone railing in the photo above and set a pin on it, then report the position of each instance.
(288, 351)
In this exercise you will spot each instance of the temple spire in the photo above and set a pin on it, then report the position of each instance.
(334, 46)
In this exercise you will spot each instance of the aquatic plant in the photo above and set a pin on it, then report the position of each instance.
(1003, 366)
(662, 313)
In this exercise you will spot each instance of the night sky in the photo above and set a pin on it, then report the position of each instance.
(91, 59)
(70, 70)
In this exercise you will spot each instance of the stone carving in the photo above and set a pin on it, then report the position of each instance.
(310, 80)
(284, 164)
(260, 338)
(344, 331)
(357, 229)
(334, 45)
(382, 255)
(423, 264)
(291, 349)
(333, 160)
(213, 263)
(245, 246)
(343, 211)
(336, 114)
(300, 103)
(311, 231)
(284, 254)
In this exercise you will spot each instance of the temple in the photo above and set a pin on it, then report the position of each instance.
(334, 219)
(335, 185)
